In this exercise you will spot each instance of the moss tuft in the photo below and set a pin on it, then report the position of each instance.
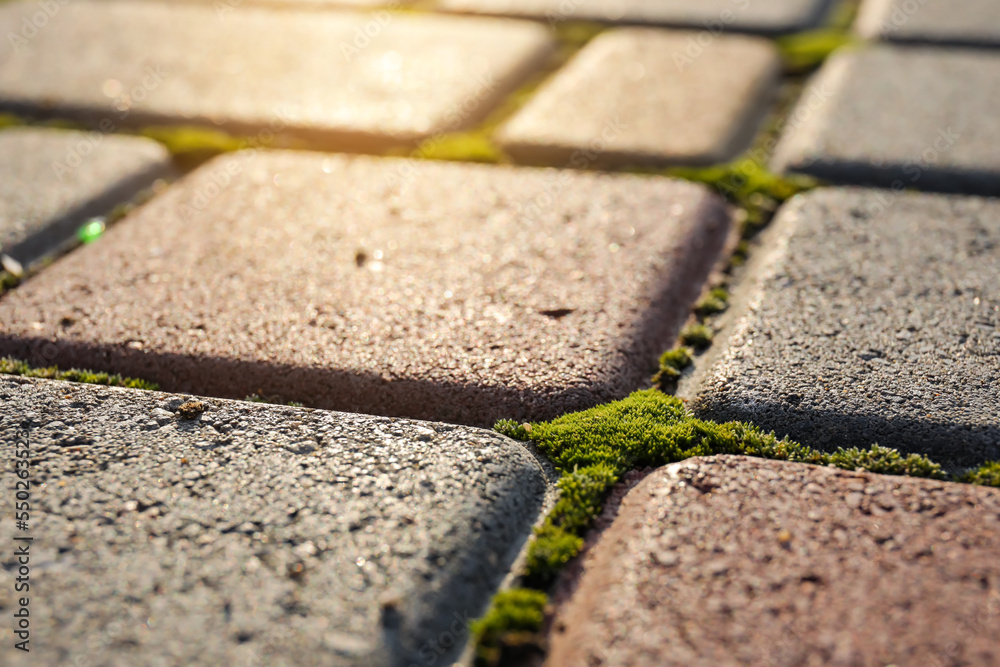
(805, 51)
(462, 146)
(714, 302)
(672, 365)
(10, 366)
(885, 461)
(512, 615)
(9, 120)
(986, 475)
(697, 336)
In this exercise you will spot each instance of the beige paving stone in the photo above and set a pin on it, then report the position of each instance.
(642, 96)
(949, 22)
(337, 79)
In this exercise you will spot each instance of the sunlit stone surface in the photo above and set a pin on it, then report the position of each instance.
(342, 80)
(443, 291)
(661, 102)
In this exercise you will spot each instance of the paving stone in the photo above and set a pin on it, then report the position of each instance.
(739, 561)
(343, 80)
(407, 288)
(875, 317)
(958, 22)
(906, 118)
(51, 181)
(238, 533)
(636, 96)
(765, 16)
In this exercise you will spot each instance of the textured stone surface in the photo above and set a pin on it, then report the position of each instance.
(51, 181)
(906, 118)
(635, 96)
(447, 291)
(252, 534)
(768, 16)
(873, 318)
(961, 22)
(738, 561)
(339, 79)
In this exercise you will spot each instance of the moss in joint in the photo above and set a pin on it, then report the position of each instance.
(986, 475)
(698, 336)
(714, 302)
(672, 365)
(10, 366)
(593, 449)
(514, 618)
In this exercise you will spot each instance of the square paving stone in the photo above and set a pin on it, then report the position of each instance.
(406, 288)
(640, 96)
(873, 318)
(960, 22)
(905, 118)
(764, 16)
(739, 561)
(345, 80)
(173, 530)
(51, 181)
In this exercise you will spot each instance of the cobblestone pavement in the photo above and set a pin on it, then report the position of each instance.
(293, 228)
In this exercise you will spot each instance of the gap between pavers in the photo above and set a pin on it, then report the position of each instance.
(340, 80)
(867, 317)
(52, 181)
(732, 560)
(219, 532)
(462, 293)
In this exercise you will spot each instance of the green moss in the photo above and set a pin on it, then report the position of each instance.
(885, 461)
(986, 475)
(714, 302)
(807, 50)
(463, 146)
(697, 336)
(672, 365)
(10, 366)
(515, 612)
(8, 281)
(10, 120)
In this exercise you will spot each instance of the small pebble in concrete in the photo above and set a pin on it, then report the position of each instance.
(255, 532)
(713, 16)
(958, 22)
(900, 117)
(870, 317)
(640, 96)
(52, 181)
(444, 291)
(337, 79)
(732, 560)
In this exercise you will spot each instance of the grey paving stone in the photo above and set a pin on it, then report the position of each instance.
(342, 80)
(640, 96)
(873, 318)
(407, 288)
(960, 22)
(905, 118)
(739, 561)
(245, 534)
(764, 16)
(51, 181)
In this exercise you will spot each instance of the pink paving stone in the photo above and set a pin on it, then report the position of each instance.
(739, 561)
(339, 79)
(405, 288)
